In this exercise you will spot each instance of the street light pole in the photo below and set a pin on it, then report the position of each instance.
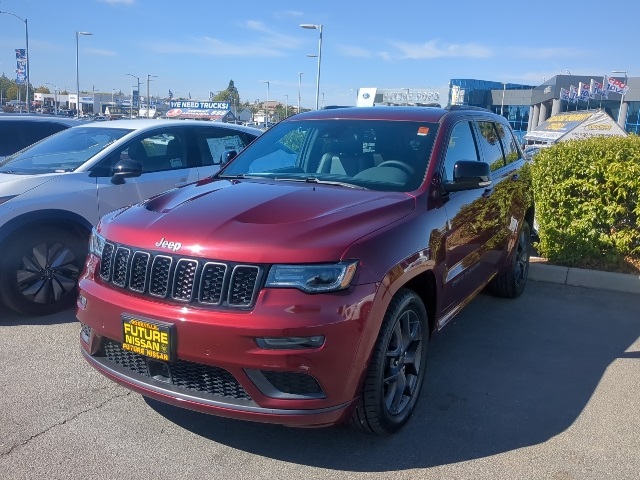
(131, 106)
(266, 105)
(149, 77)
(621, 97)
(78, 106)
(26, 34)
(286, 106)
(319, 28)
(55, 98)
(299, 81)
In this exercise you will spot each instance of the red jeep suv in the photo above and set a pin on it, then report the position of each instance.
(301, 284)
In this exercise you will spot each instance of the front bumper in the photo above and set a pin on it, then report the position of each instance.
(220, 369)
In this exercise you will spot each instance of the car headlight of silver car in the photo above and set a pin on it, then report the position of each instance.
(316, 278)
(96, 243)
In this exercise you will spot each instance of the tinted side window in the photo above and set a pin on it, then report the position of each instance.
(157, 152)
(509, 144)
(214, 141)
(462, 146)
(490, 137)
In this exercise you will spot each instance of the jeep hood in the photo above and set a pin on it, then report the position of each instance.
(256, 221)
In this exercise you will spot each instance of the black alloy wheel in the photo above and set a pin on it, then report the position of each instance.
(39, 273)
(396, 372)
(511, 281)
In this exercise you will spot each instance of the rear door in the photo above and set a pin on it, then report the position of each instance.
(508, 203)
(467, 234)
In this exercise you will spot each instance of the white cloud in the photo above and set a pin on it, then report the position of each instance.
(288, 13)
(215, 47)
(268, 43)
(437, 49)
(353, 51)
(272, 37)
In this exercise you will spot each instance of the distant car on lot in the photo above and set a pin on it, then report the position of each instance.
(530, 151)
(18, 131)
(301, 284)
(52, 193)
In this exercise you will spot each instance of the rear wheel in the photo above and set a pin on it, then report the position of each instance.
(510, 283)
(396, 371)
(39, 271)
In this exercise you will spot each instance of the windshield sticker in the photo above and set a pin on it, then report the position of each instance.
(423, 131)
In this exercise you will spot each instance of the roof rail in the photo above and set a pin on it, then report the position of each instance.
(466, 107)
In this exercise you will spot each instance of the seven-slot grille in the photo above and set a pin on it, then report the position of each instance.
(178, 278)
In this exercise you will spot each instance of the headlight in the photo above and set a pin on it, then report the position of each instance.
(313, 278)
(96, 243)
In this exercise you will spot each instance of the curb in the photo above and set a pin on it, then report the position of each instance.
(540, 271)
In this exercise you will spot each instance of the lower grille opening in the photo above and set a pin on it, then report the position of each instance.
(286, 385)
(190, 376)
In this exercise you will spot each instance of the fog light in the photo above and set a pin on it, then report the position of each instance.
(290, 343)
(85, 332)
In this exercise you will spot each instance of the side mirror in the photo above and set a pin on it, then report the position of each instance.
(468, 175)
(125, 169)
(227, 156)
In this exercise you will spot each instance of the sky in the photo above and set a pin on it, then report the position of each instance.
(197, 46)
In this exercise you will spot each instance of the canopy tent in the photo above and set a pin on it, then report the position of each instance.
(574, 125)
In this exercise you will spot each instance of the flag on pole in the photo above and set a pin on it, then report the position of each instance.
(583, 92)
(564, 94)
(596, 89)
(573, 94)
(616, 86)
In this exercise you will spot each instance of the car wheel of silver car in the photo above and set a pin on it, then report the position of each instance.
(39, 271)
(396, 371)
(510, 282)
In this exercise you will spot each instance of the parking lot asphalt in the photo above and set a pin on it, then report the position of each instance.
(542, 387)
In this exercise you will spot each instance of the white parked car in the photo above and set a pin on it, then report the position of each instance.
(52, 193)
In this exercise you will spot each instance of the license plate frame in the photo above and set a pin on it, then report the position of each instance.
(151, 338)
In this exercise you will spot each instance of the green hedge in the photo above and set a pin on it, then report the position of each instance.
(587, 197)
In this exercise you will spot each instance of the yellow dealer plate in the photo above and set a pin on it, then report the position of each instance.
(147, 337)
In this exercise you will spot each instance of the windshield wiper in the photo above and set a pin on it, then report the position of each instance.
(329, 182)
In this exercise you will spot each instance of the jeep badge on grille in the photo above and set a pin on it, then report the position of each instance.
(175, 246)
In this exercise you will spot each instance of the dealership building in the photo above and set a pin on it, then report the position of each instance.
(524, 106)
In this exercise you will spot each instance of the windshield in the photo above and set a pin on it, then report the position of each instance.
(374, 154)
(62, 152)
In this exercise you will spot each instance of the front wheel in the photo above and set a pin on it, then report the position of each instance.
(396, 371)
(39, 271)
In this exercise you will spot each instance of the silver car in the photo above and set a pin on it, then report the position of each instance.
(52, 193)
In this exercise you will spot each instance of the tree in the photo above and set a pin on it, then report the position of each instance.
(42, 89)
(230, 94)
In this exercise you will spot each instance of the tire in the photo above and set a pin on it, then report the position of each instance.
(510, 282)
(39, 271)
(396, 371)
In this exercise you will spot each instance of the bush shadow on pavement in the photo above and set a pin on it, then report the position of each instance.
(504, 375)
